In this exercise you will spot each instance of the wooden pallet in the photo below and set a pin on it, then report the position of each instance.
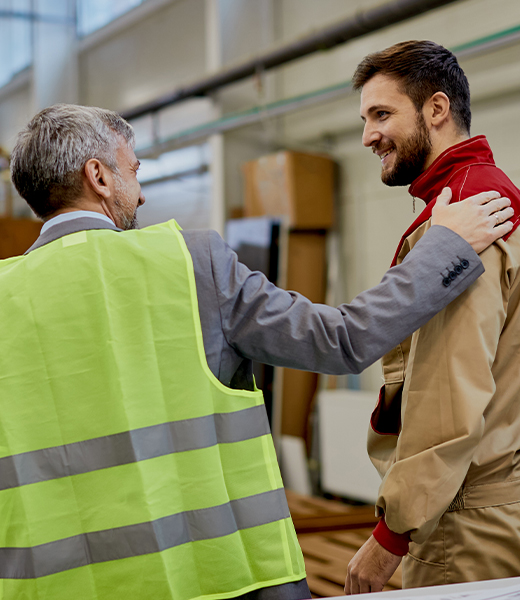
(330, 533)
(310, 514)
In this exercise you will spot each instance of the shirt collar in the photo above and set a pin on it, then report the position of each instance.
(76, 214)
(429, 184)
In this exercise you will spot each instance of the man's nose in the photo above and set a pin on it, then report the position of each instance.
(370, 135)
(141, 199)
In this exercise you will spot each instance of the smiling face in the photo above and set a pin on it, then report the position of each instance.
(127, 194)
(394, 130)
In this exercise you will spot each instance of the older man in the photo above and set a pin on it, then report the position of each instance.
(137, 458)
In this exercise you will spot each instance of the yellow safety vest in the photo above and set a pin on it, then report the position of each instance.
(127, 470)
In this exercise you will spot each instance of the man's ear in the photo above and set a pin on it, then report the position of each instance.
(98, 178)
(437, 109)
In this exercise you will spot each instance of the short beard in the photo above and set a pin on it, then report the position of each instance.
(129, 223)
(411, 156)
(123, 202)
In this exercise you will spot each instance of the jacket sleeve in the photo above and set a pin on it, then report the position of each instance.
(449, 384)
(270, 325)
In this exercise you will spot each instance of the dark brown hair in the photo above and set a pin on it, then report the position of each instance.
(422, 68)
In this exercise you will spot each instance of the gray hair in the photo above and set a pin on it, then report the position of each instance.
(50, 153)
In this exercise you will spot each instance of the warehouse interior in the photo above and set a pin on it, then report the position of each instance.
(244, 115)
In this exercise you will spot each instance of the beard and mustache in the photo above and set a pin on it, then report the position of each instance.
(410, 156)
(125, 208)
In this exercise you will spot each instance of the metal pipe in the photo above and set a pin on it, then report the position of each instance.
(362, 23)
(247, 117)
(496, 41)
(178, 175)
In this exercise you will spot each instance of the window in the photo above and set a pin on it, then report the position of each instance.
(94, 14)
(15, 38)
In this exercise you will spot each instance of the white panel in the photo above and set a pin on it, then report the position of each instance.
(293, 464)
(346, 470)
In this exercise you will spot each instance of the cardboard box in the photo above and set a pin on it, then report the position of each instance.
(306, 273)
(293, 184)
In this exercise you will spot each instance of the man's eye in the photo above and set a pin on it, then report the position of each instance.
(382, 114)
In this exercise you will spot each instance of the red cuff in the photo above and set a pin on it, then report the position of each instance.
(396, 543)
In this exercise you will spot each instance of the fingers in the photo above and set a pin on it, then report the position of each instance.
(499, 204)
(444, 197)
(501, 216)
(357, 585)
(484, 197)
(351, 586)
(501, 208)
(501, 230)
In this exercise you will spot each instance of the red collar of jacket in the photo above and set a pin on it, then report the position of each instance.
(429, 184)
(445, 168)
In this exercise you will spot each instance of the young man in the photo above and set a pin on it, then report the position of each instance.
(445, 436)
(136, 459)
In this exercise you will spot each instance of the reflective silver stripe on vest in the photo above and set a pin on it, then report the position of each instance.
(132, 446)
(144, 538)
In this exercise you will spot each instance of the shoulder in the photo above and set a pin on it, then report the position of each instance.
(205, 243)
(214, 262)
(206, 248)
(479, 177)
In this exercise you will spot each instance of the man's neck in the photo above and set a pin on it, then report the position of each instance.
(79, 206)
(441, 144)
(71, 215)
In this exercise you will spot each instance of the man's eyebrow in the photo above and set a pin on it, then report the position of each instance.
(375, 108)
(378, 107)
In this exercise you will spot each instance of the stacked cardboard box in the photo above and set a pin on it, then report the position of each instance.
(300, 188)
(292, 184)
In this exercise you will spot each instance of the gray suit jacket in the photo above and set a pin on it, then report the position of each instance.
(244, 317)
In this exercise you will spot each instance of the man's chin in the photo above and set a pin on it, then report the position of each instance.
(388, 179)
(396, 179)
(133, 224)
(127, 223)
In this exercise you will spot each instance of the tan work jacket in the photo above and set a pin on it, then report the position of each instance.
(449, 439)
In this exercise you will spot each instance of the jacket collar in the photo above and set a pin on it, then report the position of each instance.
(438, 175)
(66, 228)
